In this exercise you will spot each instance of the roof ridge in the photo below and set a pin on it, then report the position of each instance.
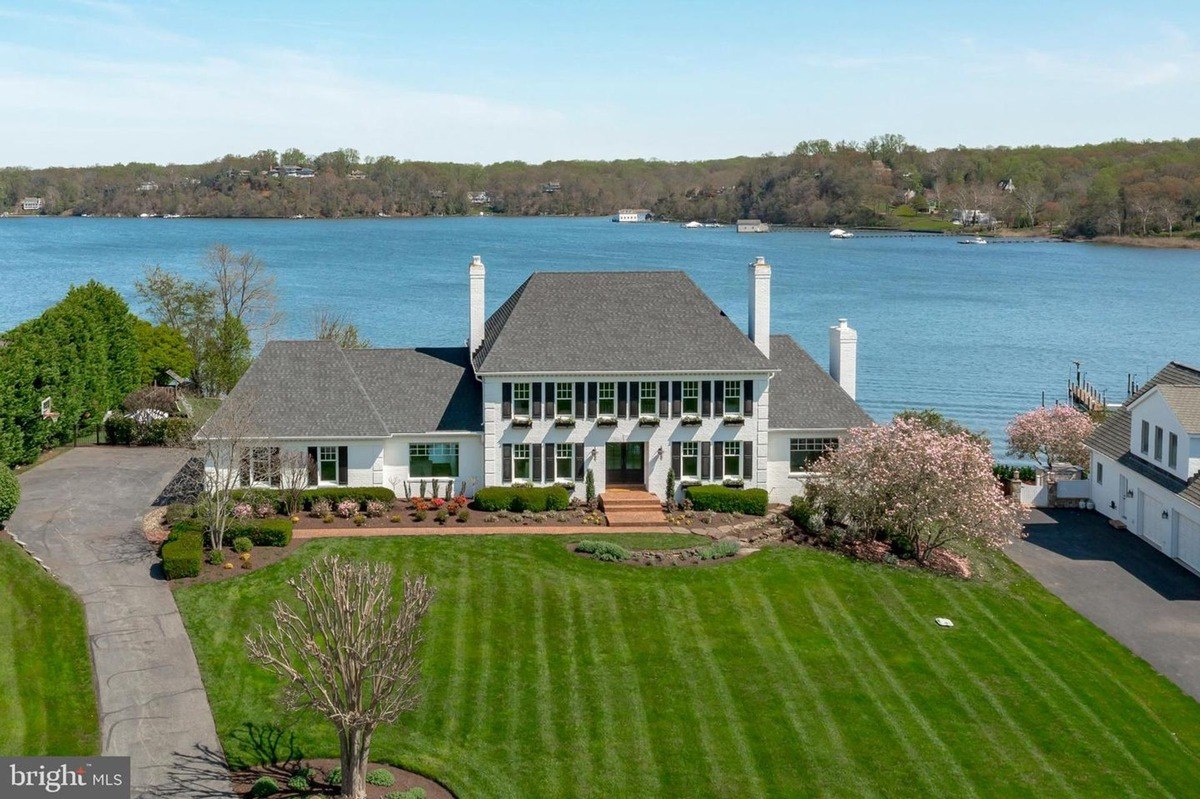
(366, 395)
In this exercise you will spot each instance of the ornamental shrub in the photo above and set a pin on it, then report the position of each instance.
(518, 499)
(243, 510)
(442, 516)
(381, 777)
(177, 512)
(182, 554)
(216, 557)
(298, 783)
(347, 508)
(723, 499)
(242, 544)
(335, 776)
(262, 532)
(603, 550)
(721, 549)
(10, 493)
(157, 398)
(264, 786)
(464, 515)
(375, 507)
(321, 508)
(360, 494)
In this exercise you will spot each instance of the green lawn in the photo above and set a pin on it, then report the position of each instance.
(47, 700)
(787, 673)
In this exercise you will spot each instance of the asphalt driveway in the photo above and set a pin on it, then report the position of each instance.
(1136, 594)
(80, 512)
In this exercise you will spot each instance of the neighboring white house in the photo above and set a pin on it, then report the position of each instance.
(624, 374)
(752, 226)
(632, 215)
(1146, 463)
(33, 204)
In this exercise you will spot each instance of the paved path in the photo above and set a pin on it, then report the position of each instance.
(1127, 587)
(80, 512)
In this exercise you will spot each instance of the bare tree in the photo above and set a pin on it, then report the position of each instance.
(329, 325)
(1030, 194)
(225, 442)
(347, 652)
(294, 478)
(243, 288)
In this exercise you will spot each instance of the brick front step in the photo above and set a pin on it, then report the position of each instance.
(632, 509)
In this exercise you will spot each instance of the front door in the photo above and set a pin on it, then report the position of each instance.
(625, 464)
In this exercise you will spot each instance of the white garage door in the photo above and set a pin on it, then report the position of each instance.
(1189, 542)
(1154, 527)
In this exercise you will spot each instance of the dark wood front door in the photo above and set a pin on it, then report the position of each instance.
(625, 464)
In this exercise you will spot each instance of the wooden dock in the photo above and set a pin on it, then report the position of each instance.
(1085, 396)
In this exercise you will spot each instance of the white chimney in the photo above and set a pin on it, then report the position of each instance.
(477, 273)
(759, 328)
(843, 356)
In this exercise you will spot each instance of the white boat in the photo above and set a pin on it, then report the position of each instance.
(171, 216)
(298, 216)
(692, 225)
(975, 240)
(838, 233)
(382, 215)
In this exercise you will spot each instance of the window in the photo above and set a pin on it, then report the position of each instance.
(733, 397)
(607, 399)
(521, 400)
(648, 394)
(1145, 437)
(564, 461)
(521, 468)
(690, 460)
(564, 399)
(804, 451)
(262, 466)
(1172, 450)
(1158, 431)
(433, 460)
(733, 459)
(691, 397)
(1099, 473)
(327, 465)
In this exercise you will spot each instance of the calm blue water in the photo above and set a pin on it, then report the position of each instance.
(977, 332)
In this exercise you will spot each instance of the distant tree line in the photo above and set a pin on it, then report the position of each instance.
(1119, 187)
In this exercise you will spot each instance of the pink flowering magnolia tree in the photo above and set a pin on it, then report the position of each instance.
(909, 483)
(1050, 435)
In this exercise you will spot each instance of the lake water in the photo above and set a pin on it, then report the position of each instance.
(977, 332)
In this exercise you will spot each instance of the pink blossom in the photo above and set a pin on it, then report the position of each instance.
(243, 510)
(347, 508)
(1050, 435)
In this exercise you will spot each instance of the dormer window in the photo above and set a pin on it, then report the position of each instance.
(1172, 450)
(1145, 437)
(1158, 441)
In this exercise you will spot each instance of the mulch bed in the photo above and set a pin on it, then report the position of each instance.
(242, 780)
(943, 561)
(673, 558)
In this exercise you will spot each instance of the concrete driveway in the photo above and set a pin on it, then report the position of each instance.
(1136, 594)
(80, 513)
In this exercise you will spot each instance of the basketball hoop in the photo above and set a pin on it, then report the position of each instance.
(47, 413)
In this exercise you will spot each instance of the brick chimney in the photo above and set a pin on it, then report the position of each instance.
(759, 328)
(477, 273)
(843, 356)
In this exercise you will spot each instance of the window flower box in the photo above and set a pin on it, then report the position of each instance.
(687, 482)
(734, 419)
(521, 484)
(567, 484)
(606, 421)
(733, 482)
(691, 420)
(522, 421)
(564, 421)
(648, 421)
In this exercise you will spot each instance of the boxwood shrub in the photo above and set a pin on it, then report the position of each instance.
(723, 499)
(10, 493)
(494, 498)
(261, 532)
(360, 494)
(182, 554)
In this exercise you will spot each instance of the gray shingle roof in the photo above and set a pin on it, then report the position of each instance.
(1111, 438)
(314, 389)
(804, 396)
(613, 322)
(1185, 402)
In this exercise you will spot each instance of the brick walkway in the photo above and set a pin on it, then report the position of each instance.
(532, 529)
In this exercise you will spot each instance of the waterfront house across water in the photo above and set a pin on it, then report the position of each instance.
(752, 226)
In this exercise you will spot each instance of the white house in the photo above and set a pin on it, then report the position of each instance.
(33, 204)
(1146, 463)
(752, 226)
(632, 215)
(627, 375)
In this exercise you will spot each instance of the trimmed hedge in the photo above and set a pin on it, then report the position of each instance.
(10, 493)
(182, 554)
(261, 532)
(723, 499)
(494, 498)
(174, 431)
(360, 494)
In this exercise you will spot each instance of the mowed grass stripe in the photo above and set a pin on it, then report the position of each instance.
(479, 688)
(829, 763)
(959, 681)
(544, 700)
(514, 668)
(1069, 692)
(19, 731)
(844, 644)
(574, 730)
(600, 688)
(454, 703)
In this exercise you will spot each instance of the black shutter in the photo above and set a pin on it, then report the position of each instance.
(551, 405)
(622, 400)
(276, 468)
(676, 399)
(718, 460)
(580, 388)
(506, 401)
(748, 398)
(718, 398)
(312, 466)
(537, 401)
(579, 461)
(706, 398)
(506, 463)
(551, 464)
(244, 469)
(676, 460)
(592, 396)
(343, 468)
(663, 386)
(635, 399)
(535, 467)
(747, 459)
(705, 460)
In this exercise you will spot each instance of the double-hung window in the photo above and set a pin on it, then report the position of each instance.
(1099, 474)
(805, 451)
(733, 459)
(521, 399)
(327, 465)
(733, 398)
(606, 399)
(521, 467)
(1158, 436)
(1145, 437)
(564, 399)
(433, 460)
(648, 394)
(564, 461)
(689, 465)
(262, 467)
(690, 403)
(1172, 450)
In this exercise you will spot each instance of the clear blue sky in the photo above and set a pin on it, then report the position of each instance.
(92, 81)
